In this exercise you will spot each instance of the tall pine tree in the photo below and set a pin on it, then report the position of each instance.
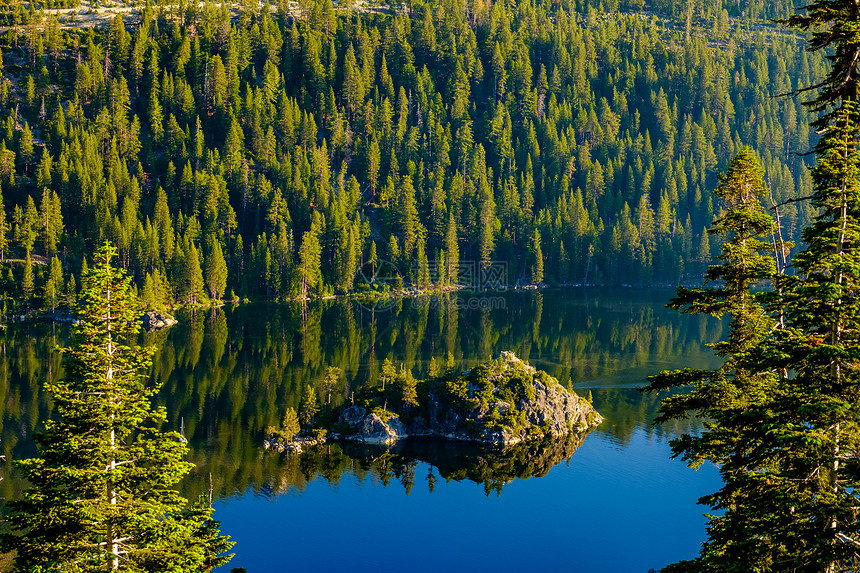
(732, 396)
(102, 495)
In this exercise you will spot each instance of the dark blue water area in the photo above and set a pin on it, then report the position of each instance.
(612, 508)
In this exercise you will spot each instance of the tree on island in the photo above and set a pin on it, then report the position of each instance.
(102, 494)
(331, 380)
(408, 386)
(290, 424)
(308, 408)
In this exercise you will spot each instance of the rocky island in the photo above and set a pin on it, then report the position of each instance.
(497, 404)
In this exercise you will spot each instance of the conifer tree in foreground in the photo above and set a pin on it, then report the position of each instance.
(102, 494)
(730, 396)
(811, 433)
(792, 488)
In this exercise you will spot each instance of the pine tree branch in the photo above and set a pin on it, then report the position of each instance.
(775, 206)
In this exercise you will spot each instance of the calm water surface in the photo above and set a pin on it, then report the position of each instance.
(615, 502)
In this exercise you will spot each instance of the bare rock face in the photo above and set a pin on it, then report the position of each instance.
(559, 410)
(294, 446)
(370, 427)
(157, 321)
(352, 416)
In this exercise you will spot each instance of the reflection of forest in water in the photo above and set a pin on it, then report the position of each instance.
(442, 459)
(230, 372)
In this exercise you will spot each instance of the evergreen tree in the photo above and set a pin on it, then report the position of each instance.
(408, 388)
(310, 276)
(71, 293)
(29, 226)
(25, 146)
(290, 424)
(423, 267)
(453, 250)
(192, 277)
(27, 281)
(433, 370)
(537, 258)
(562, 148)
(733, 396)
(54, 285)
(308, 408)
(4, 231)
(102, 491)
(389, 373)
(51, 221)
(331, 380)
(812, 422)
(216, 271)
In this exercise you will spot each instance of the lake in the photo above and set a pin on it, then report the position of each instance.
(613, 501)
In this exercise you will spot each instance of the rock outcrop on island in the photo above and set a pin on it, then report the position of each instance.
(157, 321)
(499, 403)
(293, 446)
(372, 427)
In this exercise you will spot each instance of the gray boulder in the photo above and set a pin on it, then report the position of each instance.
(157, 321)
(370, 427)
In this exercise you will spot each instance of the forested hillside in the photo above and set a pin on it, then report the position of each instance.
(273, 153)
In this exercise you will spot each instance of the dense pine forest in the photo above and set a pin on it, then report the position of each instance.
(276, 152)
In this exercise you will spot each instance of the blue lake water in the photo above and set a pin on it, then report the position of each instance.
(614, 503)
(613, 508)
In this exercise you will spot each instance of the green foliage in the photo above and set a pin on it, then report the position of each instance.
(102, 489)
(289, 425)
(408, 388)
(27, 281)
(457, 392)
(737, 392)
(574, 153)
(784, 406)
(54, 284)
(516, 384)
(216, 271)
(309, 408)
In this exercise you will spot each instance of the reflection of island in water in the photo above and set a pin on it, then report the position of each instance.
(231, 372)
(449, 460)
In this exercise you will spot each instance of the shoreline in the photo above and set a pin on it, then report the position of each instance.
(61, 315)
